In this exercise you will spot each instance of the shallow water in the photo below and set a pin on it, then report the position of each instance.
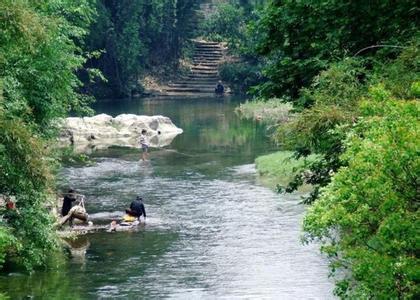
(212, 232)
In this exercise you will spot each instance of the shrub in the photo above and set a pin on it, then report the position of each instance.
(367, 218)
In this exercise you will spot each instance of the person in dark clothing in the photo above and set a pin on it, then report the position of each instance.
(220, 89)
(67, 202)
(137, 208)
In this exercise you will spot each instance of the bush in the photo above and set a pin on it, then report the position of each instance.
(39, 57)
(367, 218)
(240, 75)
(279, 168)
(271, 112)
(225, 24)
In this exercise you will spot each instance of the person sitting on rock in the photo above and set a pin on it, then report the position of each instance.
(137, 208)
(67, 202)
(220, 89)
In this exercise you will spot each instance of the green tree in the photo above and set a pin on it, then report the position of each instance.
(367, 218)
(40, 53)
(300, 38)
(134, 37)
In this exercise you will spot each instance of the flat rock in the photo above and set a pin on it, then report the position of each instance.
(103, 131)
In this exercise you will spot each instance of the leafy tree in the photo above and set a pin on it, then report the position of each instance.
(367, 218)
(40, 52)
(226, 24)
(135, 36)
(300, 38)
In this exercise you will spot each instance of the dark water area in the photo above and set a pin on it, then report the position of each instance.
(212, 232)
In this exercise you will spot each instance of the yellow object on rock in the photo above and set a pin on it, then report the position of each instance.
(128, 218)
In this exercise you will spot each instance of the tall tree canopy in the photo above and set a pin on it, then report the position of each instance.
(40, 53)
(300, 38)
(136, 35)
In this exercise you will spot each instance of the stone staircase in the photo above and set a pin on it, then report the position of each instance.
(204, 74)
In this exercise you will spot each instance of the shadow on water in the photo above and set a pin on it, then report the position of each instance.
(212, 230)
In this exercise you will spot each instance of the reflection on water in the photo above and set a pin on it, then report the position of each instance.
(212, 230)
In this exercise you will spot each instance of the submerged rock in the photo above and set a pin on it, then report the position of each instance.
(103, 131)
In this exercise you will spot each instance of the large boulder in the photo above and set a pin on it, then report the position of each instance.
(103, 131)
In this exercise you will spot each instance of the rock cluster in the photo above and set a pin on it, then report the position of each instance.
(102, 131)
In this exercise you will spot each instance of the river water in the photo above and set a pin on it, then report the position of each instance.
(213, 231)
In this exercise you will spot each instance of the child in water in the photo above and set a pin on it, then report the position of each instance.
(144, 143)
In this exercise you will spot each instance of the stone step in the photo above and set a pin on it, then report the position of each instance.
(202, 43)
(193, 85)
(203, 76)
(197, 81)
(205, 68)
(206, 59)
(204, 72)
(208, 53)
(209, 45)
(210, 50)
(205, 54)
(189, 90)
(206, 65)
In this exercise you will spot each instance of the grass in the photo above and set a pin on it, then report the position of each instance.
(279, 168)
(272, 111)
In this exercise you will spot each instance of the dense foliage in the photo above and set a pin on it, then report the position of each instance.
(229, 23)
(134, 36)
(300, 38)
(39, 56)
(351, 70)
(368, 216)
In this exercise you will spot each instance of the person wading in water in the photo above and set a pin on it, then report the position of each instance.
(144, 143)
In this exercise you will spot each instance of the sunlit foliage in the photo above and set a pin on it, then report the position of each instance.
(367, 217)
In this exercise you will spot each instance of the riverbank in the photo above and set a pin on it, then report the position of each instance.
(277, 169)
(270, 112)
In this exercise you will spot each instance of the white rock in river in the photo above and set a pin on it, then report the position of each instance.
(103, 131)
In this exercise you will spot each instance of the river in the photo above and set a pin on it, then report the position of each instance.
(213, 231)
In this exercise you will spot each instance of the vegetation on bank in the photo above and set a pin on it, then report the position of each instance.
(277, 169)
(271, 112)
(351, 71)
(132, 37)
(229, 23)
(40, 53)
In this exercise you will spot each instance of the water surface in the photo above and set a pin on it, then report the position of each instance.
(212, 232)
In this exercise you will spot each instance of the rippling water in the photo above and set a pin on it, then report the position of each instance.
(212, 231)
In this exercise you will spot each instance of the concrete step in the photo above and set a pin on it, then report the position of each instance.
(204, 72)
(190, 90)
(199, 43)
(201, 60)
(193, 85)
(206, 59)
(208, 50)
(213, 46)
(204, 69)
(214, 67)
(203, 76)
(205, 54)
(197, 81)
